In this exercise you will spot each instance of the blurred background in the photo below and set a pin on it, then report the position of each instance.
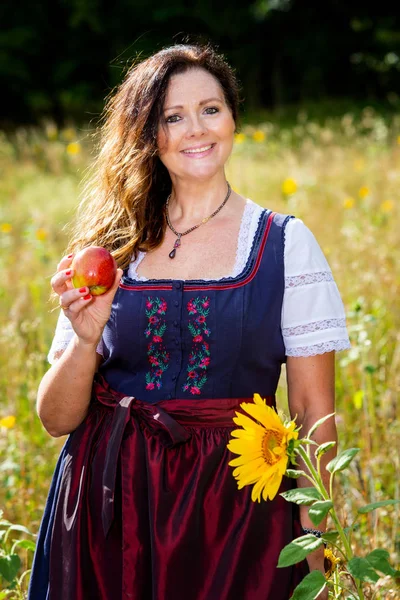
(320, 139)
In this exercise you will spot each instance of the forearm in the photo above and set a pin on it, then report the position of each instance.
(65, 390)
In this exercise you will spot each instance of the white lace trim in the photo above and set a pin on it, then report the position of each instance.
(314, 326)
(315, 349)
(308, 278)
(248, 227)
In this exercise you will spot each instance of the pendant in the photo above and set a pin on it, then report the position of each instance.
(176, 245)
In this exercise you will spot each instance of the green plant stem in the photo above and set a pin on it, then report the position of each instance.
(319, 484)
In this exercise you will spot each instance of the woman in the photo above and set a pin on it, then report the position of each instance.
(212, 295)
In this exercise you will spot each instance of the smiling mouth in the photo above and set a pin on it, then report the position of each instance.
(198, 150)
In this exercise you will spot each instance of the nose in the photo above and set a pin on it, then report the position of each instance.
(196, 127)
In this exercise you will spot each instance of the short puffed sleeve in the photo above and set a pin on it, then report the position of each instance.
(313, 315)
(62, 337)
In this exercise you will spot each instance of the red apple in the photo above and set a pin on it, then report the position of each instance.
(95, 268)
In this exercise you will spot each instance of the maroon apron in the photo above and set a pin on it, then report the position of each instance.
(148, 509)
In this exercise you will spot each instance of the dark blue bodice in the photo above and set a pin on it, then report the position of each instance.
(202, 339)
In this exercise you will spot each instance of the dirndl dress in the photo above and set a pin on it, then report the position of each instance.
(143, 504)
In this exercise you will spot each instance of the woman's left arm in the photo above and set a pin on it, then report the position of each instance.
(311, 393)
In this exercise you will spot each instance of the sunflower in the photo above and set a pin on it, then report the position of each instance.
(264, 445)
(330, 562)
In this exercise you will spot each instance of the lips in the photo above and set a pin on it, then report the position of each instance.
(199, 149)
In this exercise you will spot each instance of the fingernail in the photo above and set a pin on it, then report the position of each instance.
(82, 290)
(68, 272)
(70, 256)
(87, 297)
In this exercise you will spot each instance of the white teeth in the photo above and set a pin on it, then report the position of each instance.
(198, 150)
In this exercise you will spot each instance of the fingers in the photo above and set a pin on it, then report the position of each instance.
(72, 301)
(60, 282)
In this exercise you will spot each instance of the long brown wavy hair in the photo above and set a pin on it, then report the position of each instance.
(122, 206)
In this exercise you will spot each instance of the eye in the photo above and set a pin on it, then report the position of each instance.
(213, 110)
(172, 119)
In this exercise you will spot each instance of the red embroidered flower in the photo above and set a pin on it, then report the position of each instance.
(191, 307)
(157, 338)
(150, 386)
(153, 361)
(201, 319)
(205, 303)
(148, 304)
(207, 332)
(163, 307)
(205, 362)
(192, 374)
(206, 345)
(153, 319)
(198, 338)
(159, 372)
(194, 390)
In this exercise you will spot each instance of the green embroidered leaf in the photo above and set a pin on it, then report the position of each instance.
(192, 329)
(298, 550)
(202, 381)
(310, 587)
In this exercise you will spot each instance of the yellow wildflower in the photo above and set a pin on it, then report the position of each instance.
(387, 206)
(259, 136)
(5, 227)
(289, 187)
(74, 148)
(41, 234)
(363, 192)
(348, 202)
(8, 422)
(240, 138)
(330, 562)
(262, 446)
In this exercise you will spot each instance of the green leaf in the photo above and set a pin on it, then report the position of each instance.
(318, 423)
(307, 495)
(9, 566)
(20, 528)
(323, 448)
(379, 560)
(330, 536)
(342, 460)
(25, 544)
(318, 511)
(298, 550)
(294, 473)
(369, 507)
(310, 587)
(362, 570)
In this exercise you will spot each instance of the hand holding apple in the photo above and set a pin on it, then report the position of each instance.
(95, 268)
(88, 313)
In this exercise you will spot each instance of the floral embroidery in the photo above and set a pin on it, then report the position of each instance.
(156, 351)
(199, 357)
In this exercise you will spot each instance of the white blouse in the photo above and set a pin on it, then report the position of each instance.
(313, 318)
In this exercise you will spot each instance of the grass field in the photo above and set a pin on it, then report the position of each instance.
(342, 178)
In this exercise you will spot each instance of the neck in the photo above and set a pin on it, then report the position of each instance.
(193, 201)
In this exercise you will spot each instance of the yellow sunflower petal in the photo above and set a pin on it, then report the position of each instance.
(247, 423)
(272, 488)
(265, 415)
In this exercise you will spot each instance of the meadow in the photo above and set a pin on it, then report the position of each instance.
(340, 175)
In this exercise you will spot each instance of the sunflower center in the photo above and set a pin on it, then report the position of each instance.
(271, 440)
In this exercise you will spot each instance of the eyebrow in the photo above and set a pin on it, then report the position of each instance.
(200, 103)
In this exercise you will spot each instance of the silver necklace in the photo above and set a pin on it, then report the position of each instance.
(179, 235)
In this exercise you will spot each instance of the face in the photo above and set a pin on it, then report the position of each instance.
(196, 132)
